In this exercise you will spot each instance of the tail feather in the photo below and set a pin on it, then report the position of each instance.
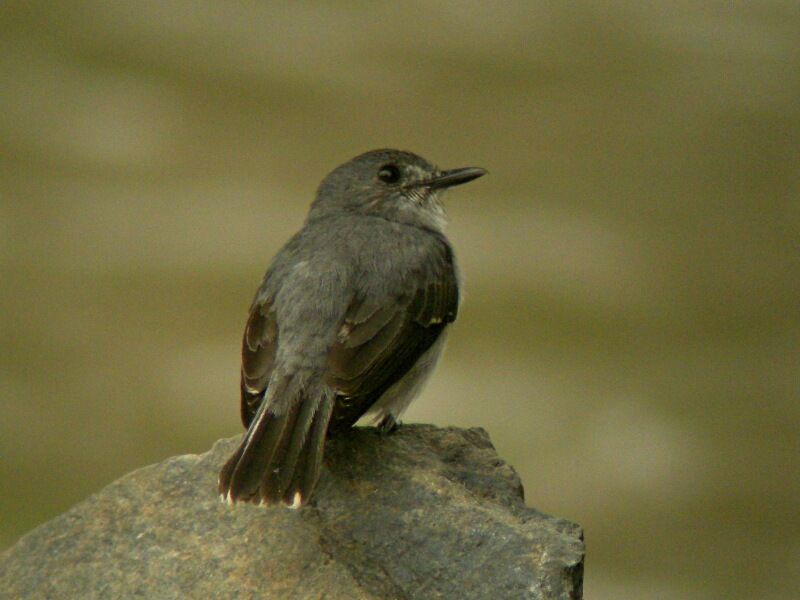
(241, 476)
(306, 472)
(281, 477)
(267, 479)
(276, 451)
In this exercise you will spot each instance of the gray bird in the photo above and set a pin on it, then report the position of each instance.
(350, 319)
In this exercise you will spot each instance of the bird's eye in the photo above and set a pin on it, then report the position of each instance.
(389, 174)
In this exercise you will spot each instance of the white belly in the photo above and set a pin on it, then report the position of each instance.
(398, 397)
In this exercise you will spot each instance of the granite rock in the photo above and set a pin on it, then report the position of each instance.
(420, 513)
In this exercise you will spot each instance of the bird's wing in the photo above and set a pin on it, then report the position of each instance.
(381, 337)
(258, 355)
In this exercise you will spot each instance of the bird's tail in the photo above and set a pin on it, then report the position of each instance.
(280, 456)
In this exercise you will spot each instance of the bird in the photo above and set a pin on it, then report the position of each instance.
(350, 320)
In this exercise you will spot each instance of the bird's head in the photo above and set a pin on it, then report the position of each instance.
(392, 184)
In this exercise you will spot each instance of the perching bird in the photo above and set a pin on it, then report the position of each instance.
(350, 319)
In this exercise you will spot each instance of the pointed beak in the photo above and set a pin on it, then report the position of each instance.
(453, 177)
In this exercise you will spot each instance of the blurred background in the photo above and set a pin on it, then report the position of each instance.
(630, 329)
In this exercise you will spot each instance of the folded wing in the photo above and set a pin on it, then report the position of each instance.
(382, 336)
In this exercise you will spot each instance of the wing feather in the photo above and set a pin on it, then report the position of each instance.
(258, 357)
(380, 339)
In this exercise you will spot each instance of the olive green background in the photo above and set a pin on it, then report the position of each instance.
(631, 320)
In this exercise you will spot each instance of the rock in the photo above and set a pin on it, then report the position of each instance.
(420, 513)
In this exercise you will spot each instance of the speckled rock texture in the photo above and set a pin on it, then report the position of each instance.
(420, 513)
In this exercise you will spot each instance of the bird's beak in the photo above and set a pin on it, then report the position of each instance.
(453, 177)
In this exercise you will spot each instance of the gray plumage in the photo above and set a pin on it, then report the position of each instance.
(350, 319)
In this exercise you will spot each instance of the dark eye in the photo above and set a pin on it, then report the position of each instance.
(389, 174)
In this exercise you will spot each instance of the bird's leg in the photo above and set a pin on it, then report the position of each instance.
(388, 425)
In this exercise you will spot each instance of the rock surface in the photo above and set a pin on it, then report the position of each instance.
(421, 513)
